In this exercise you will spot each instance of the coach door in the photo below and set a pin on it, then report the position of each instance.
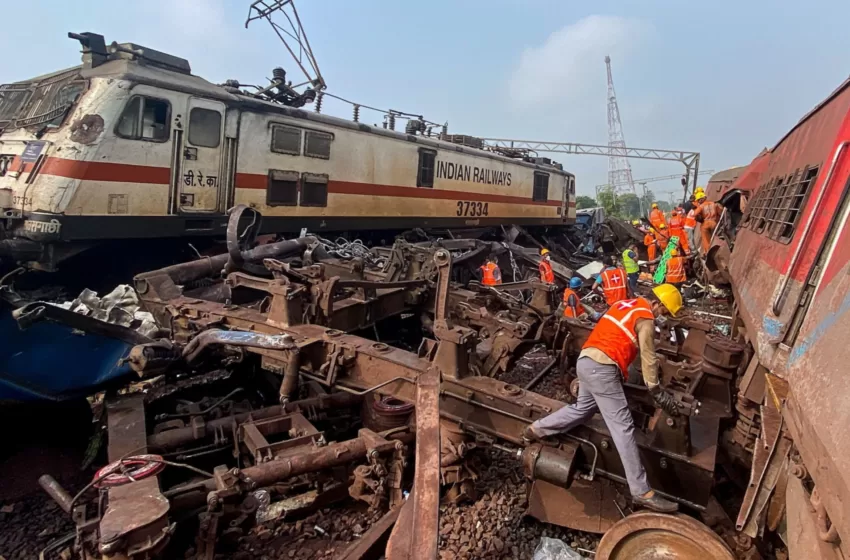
(201, 182)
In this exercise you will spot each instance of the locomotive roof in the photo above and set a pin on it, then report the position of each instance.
(844, 85)
(139, 72)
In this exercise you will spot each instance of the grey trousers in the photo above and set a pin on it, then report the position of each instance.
(601, 387)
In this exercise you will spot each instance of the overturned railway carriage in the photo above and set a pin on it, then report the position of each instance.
(131, 145)
(789, 271)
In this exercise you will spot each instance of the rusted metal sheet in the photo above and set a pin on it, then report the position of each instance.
(586, 506)
(801, 534)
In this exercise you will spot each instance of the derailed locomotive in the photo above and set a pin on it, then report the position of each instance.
(131, 145)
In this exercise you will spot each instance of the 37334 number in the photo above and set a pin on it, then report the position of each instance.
(472, 208)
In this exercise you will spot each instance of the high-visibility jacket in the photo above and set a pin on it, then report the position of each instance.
(629, 263)
(571, 304)
(614, 285)
(676, 223)
(676, 270)
(615, 335)
(691, 219)
(648, 239)
(490, 274)
(546, 273)
(656, 218)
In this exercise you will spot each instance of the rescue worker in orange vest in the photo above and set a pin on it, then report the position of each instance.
(626, 328)
(691, 223)
(614, 282)
(676, 270)
(491, 275)
(656, 217)
(545, 267)
(709, 214)
(572, 302)
(650, 243)
(677, 228)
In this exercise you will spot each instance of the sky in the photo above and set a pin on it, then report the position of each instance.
(722, 78)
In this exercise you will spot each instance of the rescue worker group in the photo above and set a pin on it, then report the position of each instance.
(626, 331)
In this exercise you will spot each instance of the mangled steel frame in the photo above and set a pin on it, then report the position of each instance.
(290, 321)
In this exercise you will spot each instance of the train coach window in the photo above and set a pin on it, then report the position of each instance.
(286, 140)
(793, 199)
(314, 190)
(318, 144)
(427, 165)
(145, 118)
(204, 127)
(541, 187)
(282, 188)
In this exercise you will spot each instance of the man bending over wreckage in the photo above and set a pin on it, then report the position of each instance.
(628, 326)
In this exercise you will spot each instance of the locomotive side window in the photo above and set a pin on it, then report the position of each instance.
(317, 144)
(314, 190)
(145, 118)
(204, 128)
(282, 188)
(541, 187)
(427, 165)
(286, 140)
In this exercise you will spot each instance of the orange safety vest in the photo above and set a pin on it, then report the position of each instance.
(690, 219)
(656, 218)
(676, 223)
(614, 282)
(676, 270)
(546, 273)
(490, 274)
(648, 239)
(571, 310)
(615, 334)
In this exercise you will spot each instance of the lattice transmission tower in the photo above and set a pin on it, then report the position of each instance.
(619, 170)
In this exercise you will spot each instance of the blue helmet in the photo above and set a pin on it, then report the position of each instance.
(575, 282)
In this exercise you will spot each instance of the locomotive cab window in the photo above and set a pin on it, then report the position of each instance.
(541, 187)
(204, 127)
(145, 118)
(317, 144)
(427, 165)
(286, 140)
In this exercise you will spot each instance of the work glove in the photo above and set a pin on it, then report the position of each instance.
(664, 400)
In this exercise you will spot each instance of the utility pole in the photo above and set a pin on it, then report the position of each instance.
(619, 170)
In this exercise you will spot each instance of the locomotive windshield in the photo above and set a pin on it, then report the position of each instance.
(42, 101)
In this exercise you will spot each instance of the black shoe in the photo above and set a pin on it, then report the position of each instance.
(656, 503)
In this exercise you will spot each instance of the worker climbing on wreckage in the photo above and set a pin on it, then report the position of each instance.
(626, 328)
(691, 222)
(614, 282)
(656, 217)
(650, 243)
(709, 215)
(547, 275)
(491, 274)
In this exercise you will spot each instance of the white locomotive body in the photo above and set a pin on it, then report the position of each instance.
(132, 145)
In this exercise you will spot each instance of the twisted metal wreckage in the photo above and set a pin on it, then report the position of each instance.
(274, 324)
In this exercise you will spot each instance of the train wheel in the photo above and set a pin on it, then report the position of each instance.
(658, 536)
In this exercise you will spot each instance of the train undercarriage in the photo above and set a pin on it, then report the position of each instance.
(286, 380)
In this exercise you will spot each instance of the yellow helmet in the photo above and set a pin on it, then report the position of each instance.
(544, 251)
(654, 205)
(700, 189)
(700, 195)
(669, 297)
(674, 253)
(635, 222)
(662, 226)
